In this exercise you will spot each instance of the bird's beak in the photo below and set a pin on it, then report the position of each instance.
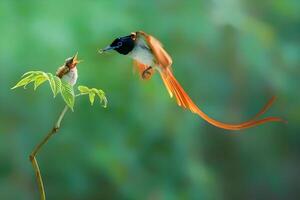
(108, 48)
(75, 59)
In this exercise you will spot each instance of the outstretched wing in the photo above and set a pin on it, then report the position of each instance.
(163, 59)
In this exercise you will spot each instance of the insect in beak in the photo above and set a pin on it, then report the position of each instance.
(108, 48)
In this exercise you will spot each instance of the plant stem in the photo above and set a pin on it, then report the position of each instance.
(32, 156)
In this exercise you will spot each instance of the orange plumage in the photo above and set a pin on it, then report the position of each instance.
(163, 61)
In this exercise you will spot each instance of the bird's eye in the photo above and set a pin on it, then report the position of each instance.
(133, 36)
(69, 60)
(120, 44)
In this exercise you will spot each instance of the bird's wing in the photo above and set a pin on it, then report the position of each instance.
(140, 67)
(62, 71)
(163, 59)
(175, 89)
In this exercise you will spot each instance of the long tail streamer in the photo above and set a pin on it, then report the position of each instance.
(183, 100)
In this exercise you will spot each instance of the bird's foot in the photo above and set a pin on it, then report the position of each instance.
(147, 73)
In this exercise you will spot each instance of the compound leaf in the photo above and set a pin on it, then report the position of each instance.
(68, 94)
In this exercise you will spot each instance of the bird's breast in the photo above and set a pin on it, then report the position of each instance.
(143, 55)
(71, 76)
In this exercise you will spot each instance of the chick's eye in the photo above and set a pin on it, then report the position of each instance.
(69, 60)
(120, 44)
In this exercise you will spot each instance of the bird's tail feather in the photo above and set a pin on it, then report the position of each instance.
(183, 100)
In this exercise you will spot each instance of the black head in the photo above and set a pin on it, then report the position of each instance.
(122, 45)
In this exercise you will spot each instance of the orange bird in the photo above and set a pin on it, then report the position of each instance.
(149, 55)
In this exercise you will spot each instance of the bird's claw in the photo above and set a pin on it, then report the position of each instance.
(146, 73)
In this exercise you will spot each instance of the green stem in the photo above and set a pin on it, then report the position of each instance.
(33, 155)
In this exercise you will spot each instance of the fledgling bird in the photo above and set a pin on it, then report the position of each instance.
(149, 55)
(68, 71)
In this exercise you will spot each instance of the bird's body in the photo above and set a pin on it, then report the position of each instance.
(68, 72)
(142, 53)
(149, 55)
(71, 76)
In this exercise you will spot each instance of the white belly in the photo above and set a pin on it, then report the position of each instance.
(143, 55)
(71, 76)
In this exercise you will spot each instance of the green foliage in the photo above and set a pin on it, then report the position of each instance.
(60, 86)
(67, 93)
(55, 84)
(92, 92)
(230, 56)
(31, 76)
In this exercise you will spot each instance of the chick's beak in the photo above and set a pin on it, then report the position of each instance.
(75, 59)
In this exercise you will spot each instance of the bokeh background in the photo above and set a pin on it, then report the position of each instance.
(231, 56)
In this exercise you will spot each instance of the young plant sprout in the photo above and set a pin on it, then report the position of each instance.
(63, 82)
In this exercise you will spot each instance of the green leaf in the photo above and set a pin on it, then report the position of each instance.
(24, 81)
(92, 97)
(57, 85)
(101, 96)
(105, 101)
(32, 72)
(39, 80)
(31, 76)
(52, 84)
(92, 92)
(68, 94)
(83, 89)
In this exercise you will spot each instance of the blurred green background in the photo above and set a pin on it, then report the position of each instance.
(231, 57)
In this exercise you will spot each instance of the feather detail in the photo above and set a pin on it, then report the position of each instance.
(62, 71)
(140, 67)
(183, 100)
(164, 62)
(163, 59)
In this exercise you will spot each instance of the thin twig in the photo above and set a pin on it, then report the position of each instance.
(33, 155)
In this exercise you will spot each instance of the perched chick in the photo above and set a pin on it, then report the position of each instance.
(68, 71)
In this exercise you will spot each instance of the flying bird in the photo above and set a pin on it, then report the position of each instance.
(150, 56)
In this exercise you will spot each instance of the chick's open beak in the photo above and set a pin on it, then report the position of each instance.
(75, 59)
